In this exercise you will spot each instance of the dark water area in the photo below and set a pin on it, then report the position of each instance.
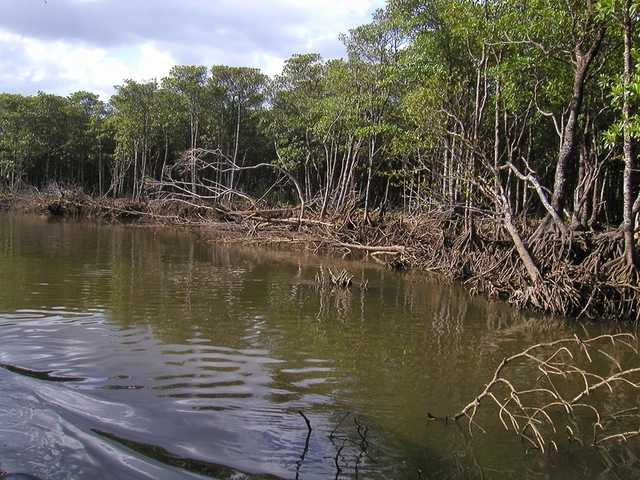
(130, 352)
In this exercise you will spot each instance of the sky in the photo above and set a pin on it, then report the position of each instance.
(65, 46)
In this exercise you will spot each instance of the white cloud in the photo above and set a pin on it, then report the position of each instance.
(59, 67)
(153, 63)
(269, 64)
(68, 45)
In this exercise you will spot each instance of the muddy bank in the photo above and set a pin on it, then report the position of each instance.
(582, 276)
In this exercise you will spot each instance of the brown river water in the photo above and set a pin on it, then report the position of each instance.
(134, 352)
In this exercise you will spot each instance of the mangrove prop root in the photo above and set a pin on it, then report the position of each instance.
(583, 273)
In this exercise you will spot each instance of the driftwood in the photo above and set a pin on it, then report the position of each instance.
(370, 248)
(287, 221)
(329, 279)
(566, 381)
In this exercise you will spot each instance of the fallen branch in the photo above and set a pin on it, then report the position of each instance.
(531, 411)
(342, 280)
(306, 420)
(370, 248)
(306, 444)
(289, 221)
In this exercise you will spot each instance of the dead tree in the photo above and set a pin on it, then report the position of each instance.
(195, 178)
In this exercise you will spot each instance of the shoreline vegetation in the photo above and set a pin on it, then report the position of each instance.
(452, 137)
(592, 282)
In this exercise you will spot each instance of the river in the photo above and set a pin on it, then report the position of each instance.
(133, 352)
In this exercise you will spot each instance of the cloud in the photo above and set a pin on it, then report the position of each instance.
(31, 65)
(63, 46)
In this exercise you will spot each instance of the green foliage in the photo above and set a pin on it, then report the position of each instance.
(435, 96)
(622, 88)
(16, 138)
(234, 95)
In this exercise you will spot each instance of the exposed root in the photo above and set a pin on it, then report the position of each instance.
(583, 274)
(341, 281)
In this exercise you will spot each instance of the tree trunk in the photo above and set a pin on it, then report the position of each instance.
(628, 216)
(372, 148)
(532, 270)
(567, 141)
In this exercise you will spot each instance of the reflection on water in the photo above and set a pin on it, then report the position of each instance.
(149, 354)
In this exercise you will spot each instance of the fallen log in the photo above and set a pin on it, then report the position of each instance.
(288, 221)
(370, 248)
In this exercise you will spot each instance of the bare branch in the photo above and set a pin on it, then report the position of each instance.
(207, 175)
(533, 412)
(533, 181)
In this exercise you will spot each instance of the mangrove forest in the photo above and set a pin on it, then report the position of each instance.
(492, 141)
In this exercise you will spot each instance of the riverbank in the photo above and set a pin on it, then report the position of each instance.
(581, 276)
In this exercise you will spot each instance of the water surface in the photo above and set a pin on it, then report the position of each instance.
(132, 352)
